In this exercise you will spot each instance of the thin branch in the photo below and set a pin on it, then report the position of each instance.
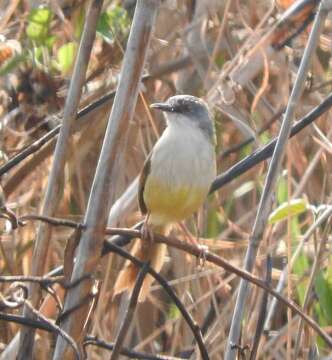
(129, 313)
(283, 277)
(51, 221)
(93, 340)
(217, 260)
(168, 289)
(262, 311)
(308, 292)
(99, 204)
(89, 339)
(124, 236)
(267, 150)
(265, 204)
(54, 186)
(237, 147)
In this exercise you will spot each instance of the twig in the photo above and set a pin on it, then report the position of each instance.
(42, 280)
(267, 150)
(266, 199)
(52, 221)
(236, 170)
(124, 236)
(314, 269)
(283, 278)
(89, 340)
(192, 324)
(235, 148)
(90, 246)
(262, 312)
(58, 330)
(54, 187)
(129, 313)
(93, 340)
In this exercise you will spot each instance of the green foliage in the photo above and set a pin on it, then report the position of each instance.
(38, 24)
(323, 287)
(264, 138)
(214, 224)
(113, 23)
(173, 312)
(282, 190)
(290, 208)
(300, 268)
(66, 56)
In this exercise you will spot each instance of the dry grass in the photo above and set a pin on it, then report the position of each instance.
(239, 57)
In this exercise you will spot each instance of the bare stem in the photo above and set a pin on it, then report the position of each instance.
(90, 247)
(129, 313)
(265, 204)
(54, 187)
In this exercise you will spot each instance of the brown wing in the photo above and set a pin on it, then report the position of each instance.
(142, 180)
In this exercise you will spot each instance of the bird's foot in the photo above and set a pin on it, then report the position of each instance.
(202, 256)
(146, 231)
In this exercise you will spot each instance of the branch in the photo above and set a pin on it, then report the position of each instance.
(265, 203)
(267, 150)
(91, 242)
(168, 289)
(89, 339)
(93, 340)
(124, 236)
(129, 313)
(55, 180)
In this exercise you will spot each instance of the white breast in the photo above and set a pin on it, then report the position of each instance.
(184, 155)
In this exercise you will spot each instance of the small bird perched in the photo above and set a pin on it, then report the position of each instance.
(175, 180)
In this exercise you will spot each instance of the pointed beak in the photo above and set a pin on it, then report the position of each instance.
(162, 106)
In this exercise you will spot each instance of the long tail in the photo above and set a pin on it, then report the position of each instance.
(155, 253)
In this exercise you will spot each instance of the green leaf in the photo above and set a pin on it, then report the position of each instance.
(36, 31)
(214, 224)
(323, 287)
(42, 16)
(282, 190)
(173, 312)
(104, 29)
(38, 26)
(50, 40)
(65, 57)
(291, 208)
(300, 268)
(113, 22)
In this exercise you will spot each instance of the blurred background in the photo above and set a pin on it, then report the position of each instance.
(242, 58)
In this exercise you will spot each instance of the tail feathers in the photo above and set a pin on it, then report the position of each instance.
(154, 253)
(157, 253)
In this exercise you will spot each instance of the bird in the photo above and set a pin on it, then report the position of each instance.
(174, 182)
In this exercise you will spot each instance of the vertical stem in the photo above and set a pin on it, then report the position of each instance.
(90, 247)
(55, 181)
(289, 257)
(265, 204)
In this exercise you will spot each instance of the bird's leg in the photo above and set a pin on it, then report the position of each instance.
(203, 248)
(187, 233)
(202, 256)
(147, 233)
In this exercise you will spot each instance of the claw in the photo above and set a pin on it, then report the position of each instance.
(146, 231)
(202, 256)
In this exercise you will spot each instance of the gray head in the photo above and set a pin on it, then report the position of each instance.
(191, 108)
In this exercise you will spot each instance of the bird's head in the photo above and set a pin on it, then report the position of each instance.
(187, 110)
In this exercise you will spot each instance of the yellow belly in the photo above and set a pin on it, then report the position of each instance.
(168, 204)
